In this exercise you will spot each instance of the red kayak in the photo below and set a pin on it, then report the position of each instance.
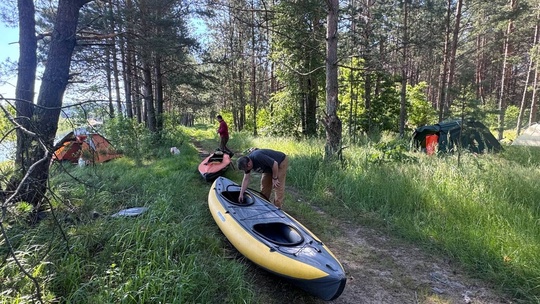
(214, 165)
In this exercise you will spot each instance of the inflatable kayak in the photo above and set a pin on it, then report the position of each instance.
(214, 165)
(275, 241)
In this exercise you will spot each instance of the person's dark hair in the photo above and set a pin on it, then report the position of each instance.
(242, 163)
(219, 117)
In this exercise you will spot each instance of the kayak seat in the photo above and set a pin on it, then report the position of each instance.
(216, 158)
(279, 233)
(232, 197)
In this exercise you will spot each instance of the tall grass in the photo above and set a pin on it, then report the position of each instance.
(482, 213)
(173, 253)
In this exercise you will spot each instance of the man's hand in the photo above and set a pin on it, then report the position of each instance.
(241, 197)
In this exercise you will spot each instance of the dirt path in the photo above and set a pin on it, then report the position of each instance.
(380, 270)
(383, 270)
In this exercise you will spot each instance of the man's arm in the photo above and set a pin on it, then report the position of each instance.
(243, 188)
(275, 170)
(275, 174)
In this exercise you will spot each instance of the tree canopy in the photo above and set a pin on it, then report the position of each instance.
(276, 67)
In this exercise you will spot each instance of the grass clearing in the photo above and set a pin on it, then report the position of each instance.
(483, 214)
(173, 252)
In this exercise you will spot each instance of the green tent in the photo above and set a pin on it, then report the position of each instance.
(451, 135)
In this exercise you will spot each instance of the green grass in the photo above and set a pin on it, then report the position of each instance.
(172, 253)
(482, 213)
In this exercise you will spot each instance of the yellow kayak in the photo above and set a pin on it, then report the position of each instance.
(275, 241)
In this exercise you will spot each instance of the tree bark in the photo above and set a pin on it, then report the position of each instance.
(332, 121)
(480, 67)
(49, 102)
(523, 104)
(109, 81)
(128, 66)
(26, 76)
(128, 76)
(453, 50)
(505, 71)
(114, 55)
(534, 106)
(159, 94)
(442, 104)
(150, 112)
(404, 68)
(253, 90)
(311, 106)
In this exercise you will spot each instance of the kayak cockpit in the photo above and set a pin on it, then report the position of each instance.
(279, 233)
(232, 197)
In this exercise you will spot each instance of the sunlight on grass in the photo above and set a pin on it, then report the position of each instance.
(482, 213)
(173, 252)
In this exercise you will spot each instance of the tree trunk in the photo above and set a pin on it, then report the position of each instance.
(26, 76)
(114, 56)
(453, 50)
(303, 100)
(128, 76)
(311, 106)
(53, 85)
(352, 119)
(150, 112)
(253, 95)
(523, 104)
(505, 71)
(109, 81)
(128, 65)
(444, 67)
(159, 94)
(403, 103)
(332, 122)
(534, 106)
(138, 105)
(480, 68)
(242, 99)
(116, 78)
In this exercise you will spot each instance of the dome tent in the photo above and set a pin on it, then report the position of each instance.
(90, 146)
(473, 136)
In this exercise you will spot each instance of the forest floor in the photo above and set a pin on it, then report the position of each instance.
(380, 269)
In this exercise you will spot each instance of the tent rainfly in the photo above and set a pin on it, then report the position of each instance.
(91, 147)
(449, 136)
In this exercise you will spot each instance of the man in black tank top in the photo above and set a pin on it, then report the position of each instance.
(273, 167)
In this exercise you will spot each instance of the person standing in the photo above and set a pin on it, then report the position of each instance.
(273, 166)
(223, 132)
